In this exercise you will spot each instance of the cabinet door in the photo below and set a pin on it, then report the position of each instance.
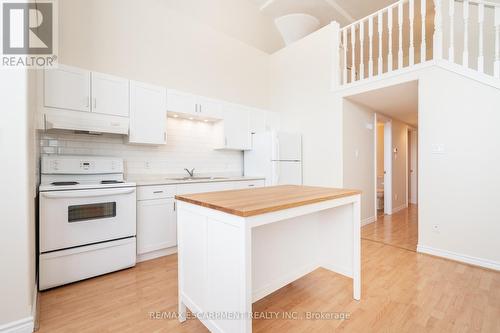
(67, 88)
(209, 108)
(237, 128)
(181, 102)
(110, 95)
(148, 114)
(156, 225)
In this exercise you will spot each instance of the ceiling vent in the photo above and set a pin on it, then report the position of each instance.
(296, 26)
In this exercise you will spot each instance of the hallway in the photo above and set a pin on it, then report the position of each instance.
(399, 229)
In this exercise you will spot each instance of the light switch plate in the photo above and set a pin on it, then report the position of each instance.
(438, 148)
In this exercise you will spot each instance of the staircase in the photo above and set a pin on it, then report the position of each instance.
(411, 33)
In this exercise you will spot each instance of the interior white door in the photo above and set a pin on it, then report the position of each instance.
(288, 146)
(388, 153)
(148, 114)
(67, 88)
(156, 225)
(287, 173)
(110, 95)
(413, 167)
(181, 102)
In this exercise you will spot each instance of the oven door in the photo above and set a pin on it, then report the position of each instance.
(80, 217)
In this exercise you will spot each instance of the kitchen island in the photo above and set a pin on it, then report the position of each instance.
(236, 247)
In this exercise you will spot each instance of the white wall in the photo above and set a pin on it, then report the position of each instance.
(459, 189)
(300, 83)
(17, 176)
(359, 155)
(240, 19)
(150, 41)
(189, 145)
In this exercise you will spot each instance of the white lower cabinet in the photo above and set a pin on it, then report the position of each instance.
(156, 225)
(157, 216)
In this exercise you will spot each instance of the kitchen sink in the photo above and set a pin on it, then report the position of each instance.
(197, 178)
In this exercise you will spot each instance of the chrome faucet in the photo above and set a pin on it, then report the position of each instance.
(190, 172)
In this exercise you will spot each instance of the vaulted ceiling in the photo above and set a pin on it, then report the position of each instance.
(342, 11)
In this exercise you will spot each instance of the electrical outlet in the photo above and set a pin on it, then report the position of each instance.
(396, 196)
(435, 228)
(147, 165)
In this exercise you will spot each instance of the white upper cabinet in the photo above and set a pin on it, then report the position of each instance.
(67, 88)
(110, 95)
(234, 129)
(209, 108)
(184, 104)
(181, 102)
(148, 114)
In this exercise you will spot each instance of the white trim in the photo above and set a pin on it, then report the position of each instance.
(266, 4)
(34, 306)
(156, 254)
(397, 209)
(368, 220)
(24, 325)
(485, 263)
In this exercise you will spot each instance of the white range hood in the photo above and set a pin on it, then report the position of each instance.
(86, 121)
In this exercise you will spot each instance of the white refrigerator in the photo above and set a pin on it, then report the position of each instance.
(277, 156)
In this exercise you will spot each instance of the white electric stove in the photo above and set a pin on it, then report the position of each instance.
(87, 219)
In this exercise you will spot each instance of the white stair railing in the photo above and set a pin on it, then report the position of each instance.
(392, 36)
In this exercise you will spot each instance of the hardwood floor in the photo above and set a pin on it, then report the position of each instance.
(399, 229)
(402, 291)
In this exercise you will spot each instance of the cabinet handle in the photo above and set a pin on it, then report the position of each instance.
(225, 141)
(200, 108)
(175, 206)
(87, 102)
(164, 136)
(251, 185)
(157, 192)
(95, 102)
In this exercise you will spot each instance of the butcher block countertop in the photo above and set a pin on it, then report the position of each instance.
(256, 201)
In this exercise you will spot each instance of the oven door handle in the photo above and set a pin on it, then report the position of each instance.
(86, 194)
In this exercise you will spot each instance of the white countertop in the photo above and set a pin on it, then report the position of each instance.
(145, 180)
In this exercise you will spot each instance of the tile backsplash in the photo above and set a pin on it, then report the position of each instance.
(189, 145)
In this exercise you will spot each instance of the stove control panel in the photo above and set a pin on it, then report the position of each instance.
(81, 165)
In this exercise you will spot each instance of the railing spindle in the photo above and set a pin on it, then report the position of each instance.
(480, 21)
(451, 13)
(361, 50)
(380, 60)
(465, 55)
(437, 38)
(400, 31)
(353, 48)
(370, 52)
(497, 42)
(344, 44)
(411, 50)
(389, 43)
(423, 46)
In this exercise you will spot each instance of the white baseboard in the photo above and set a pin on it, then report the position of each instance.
(397, 209)
(485, 263)
(25, 325)
(368, 220)
(156, 254)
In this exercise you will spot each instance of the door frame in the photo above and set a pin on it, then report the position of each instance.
(412, 144)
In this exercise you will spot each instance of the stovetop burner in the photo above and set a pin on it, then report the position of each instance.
(112, 181)
(64, 183)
